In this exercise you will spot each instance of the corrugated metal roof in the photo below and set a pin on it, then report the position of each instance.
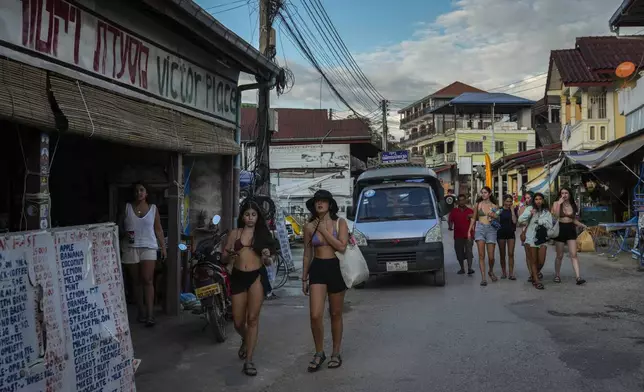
(491, 99)
(455, 89)
(573, 68)
(305, 124)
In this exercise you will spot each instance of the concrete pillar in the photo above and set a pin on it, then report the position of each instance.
(519, 183)
(500, 186)
(584, 105)
(573, 110)
(549, 114)
(173, 263)
(562, 111)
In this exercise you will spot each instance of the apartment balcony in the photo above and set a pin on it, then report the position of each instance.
(416, 138)
(417, 117)
(585, 135)
(442, 159)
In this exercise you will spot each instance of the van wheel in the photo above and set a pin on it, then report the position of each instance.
(438, 277)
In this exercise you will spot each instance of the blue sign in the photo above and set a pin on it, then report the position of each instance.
(395, 156)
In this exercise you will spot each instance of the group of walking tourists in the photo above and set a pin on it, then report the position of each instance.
(250, 249)
(489, 224)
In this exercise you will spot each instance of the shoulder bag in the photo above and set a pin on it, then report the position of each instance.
(353, 265)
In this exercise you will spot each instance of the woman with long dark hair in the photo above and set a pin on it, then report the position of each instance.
(142, 224)
(249, 248)
(506, 236)
(539, 220)
(324, 235)
(565, 210)
(527, 202)
(485, 232)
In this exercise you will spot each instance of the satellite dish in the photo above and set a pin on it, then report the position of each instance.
(625, 69)
(182, 247)
(216, 219)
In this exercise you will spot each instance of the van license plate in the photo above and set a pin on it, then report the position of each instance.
(396, 266)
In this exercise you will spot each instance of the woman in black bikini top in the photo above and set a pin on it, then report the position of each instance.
(249, 248)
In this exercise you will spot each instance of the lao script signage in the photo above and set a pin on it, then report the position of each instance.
(68, 34)
(63, 321)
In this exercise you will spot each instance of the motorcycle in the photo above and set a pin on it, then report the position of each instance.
(211, 282)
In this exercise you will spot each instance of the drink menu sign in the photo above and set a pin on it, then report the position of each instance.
(68, 34)
(63, 318)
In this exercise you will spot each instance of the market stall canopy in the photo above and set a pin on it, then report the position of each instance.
(543, 182)
(476, 103)
(629, 14)
(610, 153)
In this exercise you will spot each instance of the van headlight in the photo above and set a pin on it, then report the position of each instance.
(359, 238)
(434, 234)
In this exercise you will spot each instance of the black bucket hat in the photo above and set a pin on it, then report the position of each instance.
(322, 195)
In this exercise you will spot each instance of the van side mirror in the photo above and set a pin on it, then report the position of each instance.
(351, 214)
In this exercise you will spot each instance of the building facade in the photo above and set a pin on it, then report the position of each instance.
(311, 151)
(582, 78)
(99, 95)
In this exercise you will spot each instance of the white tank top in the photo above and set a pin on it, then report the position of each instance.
(140, 231)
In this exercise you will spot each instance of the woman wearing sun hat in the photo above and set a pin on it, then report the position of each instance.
(324, 235)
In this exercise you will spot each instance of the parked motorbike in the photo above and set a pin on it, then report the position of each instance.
(211, 282)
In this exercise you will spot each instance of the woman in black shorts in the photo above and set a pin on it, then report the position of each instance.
(249, 248)
(565, 209)
(324, 235)
(505, 236)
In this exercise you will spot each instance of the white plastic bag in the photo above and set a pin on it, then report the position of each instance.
(353, 265)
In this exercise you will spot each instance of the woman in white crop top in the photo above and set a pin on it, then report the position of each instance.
(144, 234)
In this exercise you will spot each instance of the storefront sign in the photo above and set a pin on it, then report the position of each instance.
(395, 156)
(63, 318)
(67, 34)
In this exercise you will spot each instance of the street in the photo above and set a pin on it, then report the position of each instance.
(402, 334)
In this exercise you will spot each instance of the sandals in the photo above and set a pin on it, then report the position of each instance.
(512, 277)
(557, 279)
(150, 322)
(484, 283)
(540, 275)
(316, 362)
(492, 276)
(504, 276)
(580, 281)
(249, 369)
(242, 350)
(538, 286)
(470, 271)
(335, 361)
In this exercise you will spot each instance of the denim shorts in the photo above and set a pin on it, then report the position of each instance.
(486, 233)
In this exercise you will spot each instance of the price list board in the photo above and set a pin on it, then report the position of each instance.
(63, 318)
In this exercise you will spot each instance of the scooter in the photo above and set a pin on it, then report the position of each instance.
(211, 282)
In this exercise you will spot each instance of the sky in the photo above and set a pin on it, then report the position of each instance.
(410, 48)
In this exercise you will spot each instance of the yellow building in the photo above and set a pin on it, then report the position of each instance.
(494, 123)
(583, 80)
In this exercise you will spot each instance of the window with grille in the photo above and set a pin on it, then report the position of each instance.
(474, 147)
(597, 106)
(523, 146)
(602, 132)
(498, 146)
(593, 133)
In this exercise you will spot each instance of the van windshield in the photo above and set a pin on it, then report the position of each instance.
(399, 203)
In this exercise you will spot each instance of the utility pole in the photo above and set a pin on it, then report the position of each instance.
(385, 130)
(262, 149)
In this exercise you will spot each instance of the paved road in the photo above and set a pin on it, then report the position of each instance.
(402, 334)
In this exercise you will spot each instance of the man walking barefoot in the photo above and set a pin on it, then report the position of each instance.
(459, 221)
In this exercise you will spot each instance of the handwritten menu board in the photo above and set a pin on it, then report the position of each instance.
(63, 318)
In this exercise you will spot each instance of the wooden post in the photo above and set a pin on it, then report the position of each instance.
(173, 263)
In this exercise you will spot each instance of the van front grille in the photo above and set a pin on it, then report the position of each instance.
(409, 257)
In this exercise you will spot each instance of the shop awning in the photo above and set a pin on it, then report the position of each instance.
(543, 182)
(610, 153)
(23, 95)
(94, 112)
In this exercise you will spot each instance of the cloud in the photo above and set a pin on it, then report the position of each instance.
(486, 43)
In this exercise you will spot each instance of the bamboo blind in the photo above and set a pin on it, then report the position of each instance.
(103, 114)
(23, 94)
